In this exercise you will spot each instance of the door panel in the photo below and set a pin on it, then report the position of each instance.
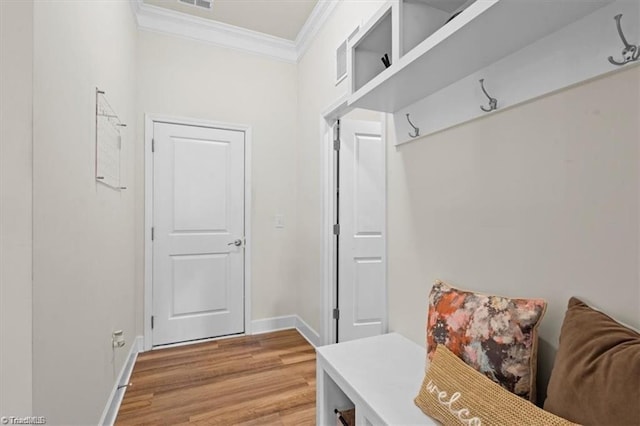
(362, 257)
(198, 209)
(368, 299)
(200, 168)
(368, 203)
(192, 277)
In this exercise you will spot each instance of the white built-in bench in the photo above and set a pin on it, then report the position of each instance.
(379, 376)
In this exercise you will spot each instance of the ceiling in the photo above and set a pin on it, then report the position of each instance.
(279, 18)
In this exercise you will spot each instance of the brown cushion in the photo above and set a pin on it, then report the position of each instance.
(456, 394)
(495, 335)
(596, 375)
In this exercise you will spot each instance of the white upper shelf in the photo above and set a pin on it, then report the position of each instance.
(482, 34)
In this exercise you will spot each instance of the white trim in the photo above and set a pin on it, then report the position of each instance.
(287, 322)
(319, 15)
(110, 411)
(342, 78)
(160, 20)
(383, 124)
(148, 208)
(148, 221)
(327, 183)
(307, 332)
(268, 325)
(337, 109)
(248, 242)
(327, 258)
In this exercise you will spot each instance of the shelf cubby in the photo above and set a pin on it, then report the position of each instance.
(369, 46)
(421, 18)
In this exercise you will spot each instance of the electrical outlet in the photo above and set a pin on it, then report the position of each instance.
(117, 339)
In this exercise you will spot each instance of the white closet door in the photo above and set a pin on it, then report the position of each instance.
(362, 291)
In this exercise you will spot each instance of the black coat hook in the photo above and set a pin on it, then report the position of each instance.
(630, 52)
(493, 102)
(417, 130)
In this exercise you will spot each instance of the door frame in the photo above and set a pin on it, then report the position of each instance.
(149, 120)
(328, 255)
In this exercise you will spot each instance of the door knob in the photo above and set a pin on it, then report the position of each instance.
(236, 243)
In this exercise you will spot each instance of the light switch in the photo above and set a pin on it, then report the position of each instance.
(278, 221)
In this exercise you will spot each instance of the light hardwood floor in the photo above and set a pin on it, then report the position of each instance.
(266, 379)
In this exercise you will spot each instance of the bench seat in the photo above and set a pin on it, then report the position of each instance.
(379, 376)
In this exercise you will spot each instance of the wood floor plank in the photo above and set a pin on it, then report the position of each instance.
(302, 415)
(266, 379)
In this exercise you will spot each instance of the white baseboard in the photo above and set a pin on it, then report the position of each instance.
(286, 322)
(115, 398)
(307, 332)
(268, 325)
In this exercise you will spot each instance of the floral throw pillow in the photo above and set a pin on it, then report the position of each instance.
(495, 335)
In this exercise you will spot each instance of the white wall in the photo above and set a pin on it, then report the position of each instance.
(83, 232)
(180, 77)
(539, 200)
(16, 53)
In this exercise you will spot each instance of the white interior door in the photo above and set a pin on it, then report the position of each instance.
(362, 289)
(198, 234)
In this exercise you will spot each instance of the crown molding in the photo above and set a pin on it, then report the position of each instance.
(319, 15)
(161, 20)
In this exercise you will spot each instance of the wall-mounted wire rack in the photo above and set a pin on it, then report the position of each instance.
(108, 143)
